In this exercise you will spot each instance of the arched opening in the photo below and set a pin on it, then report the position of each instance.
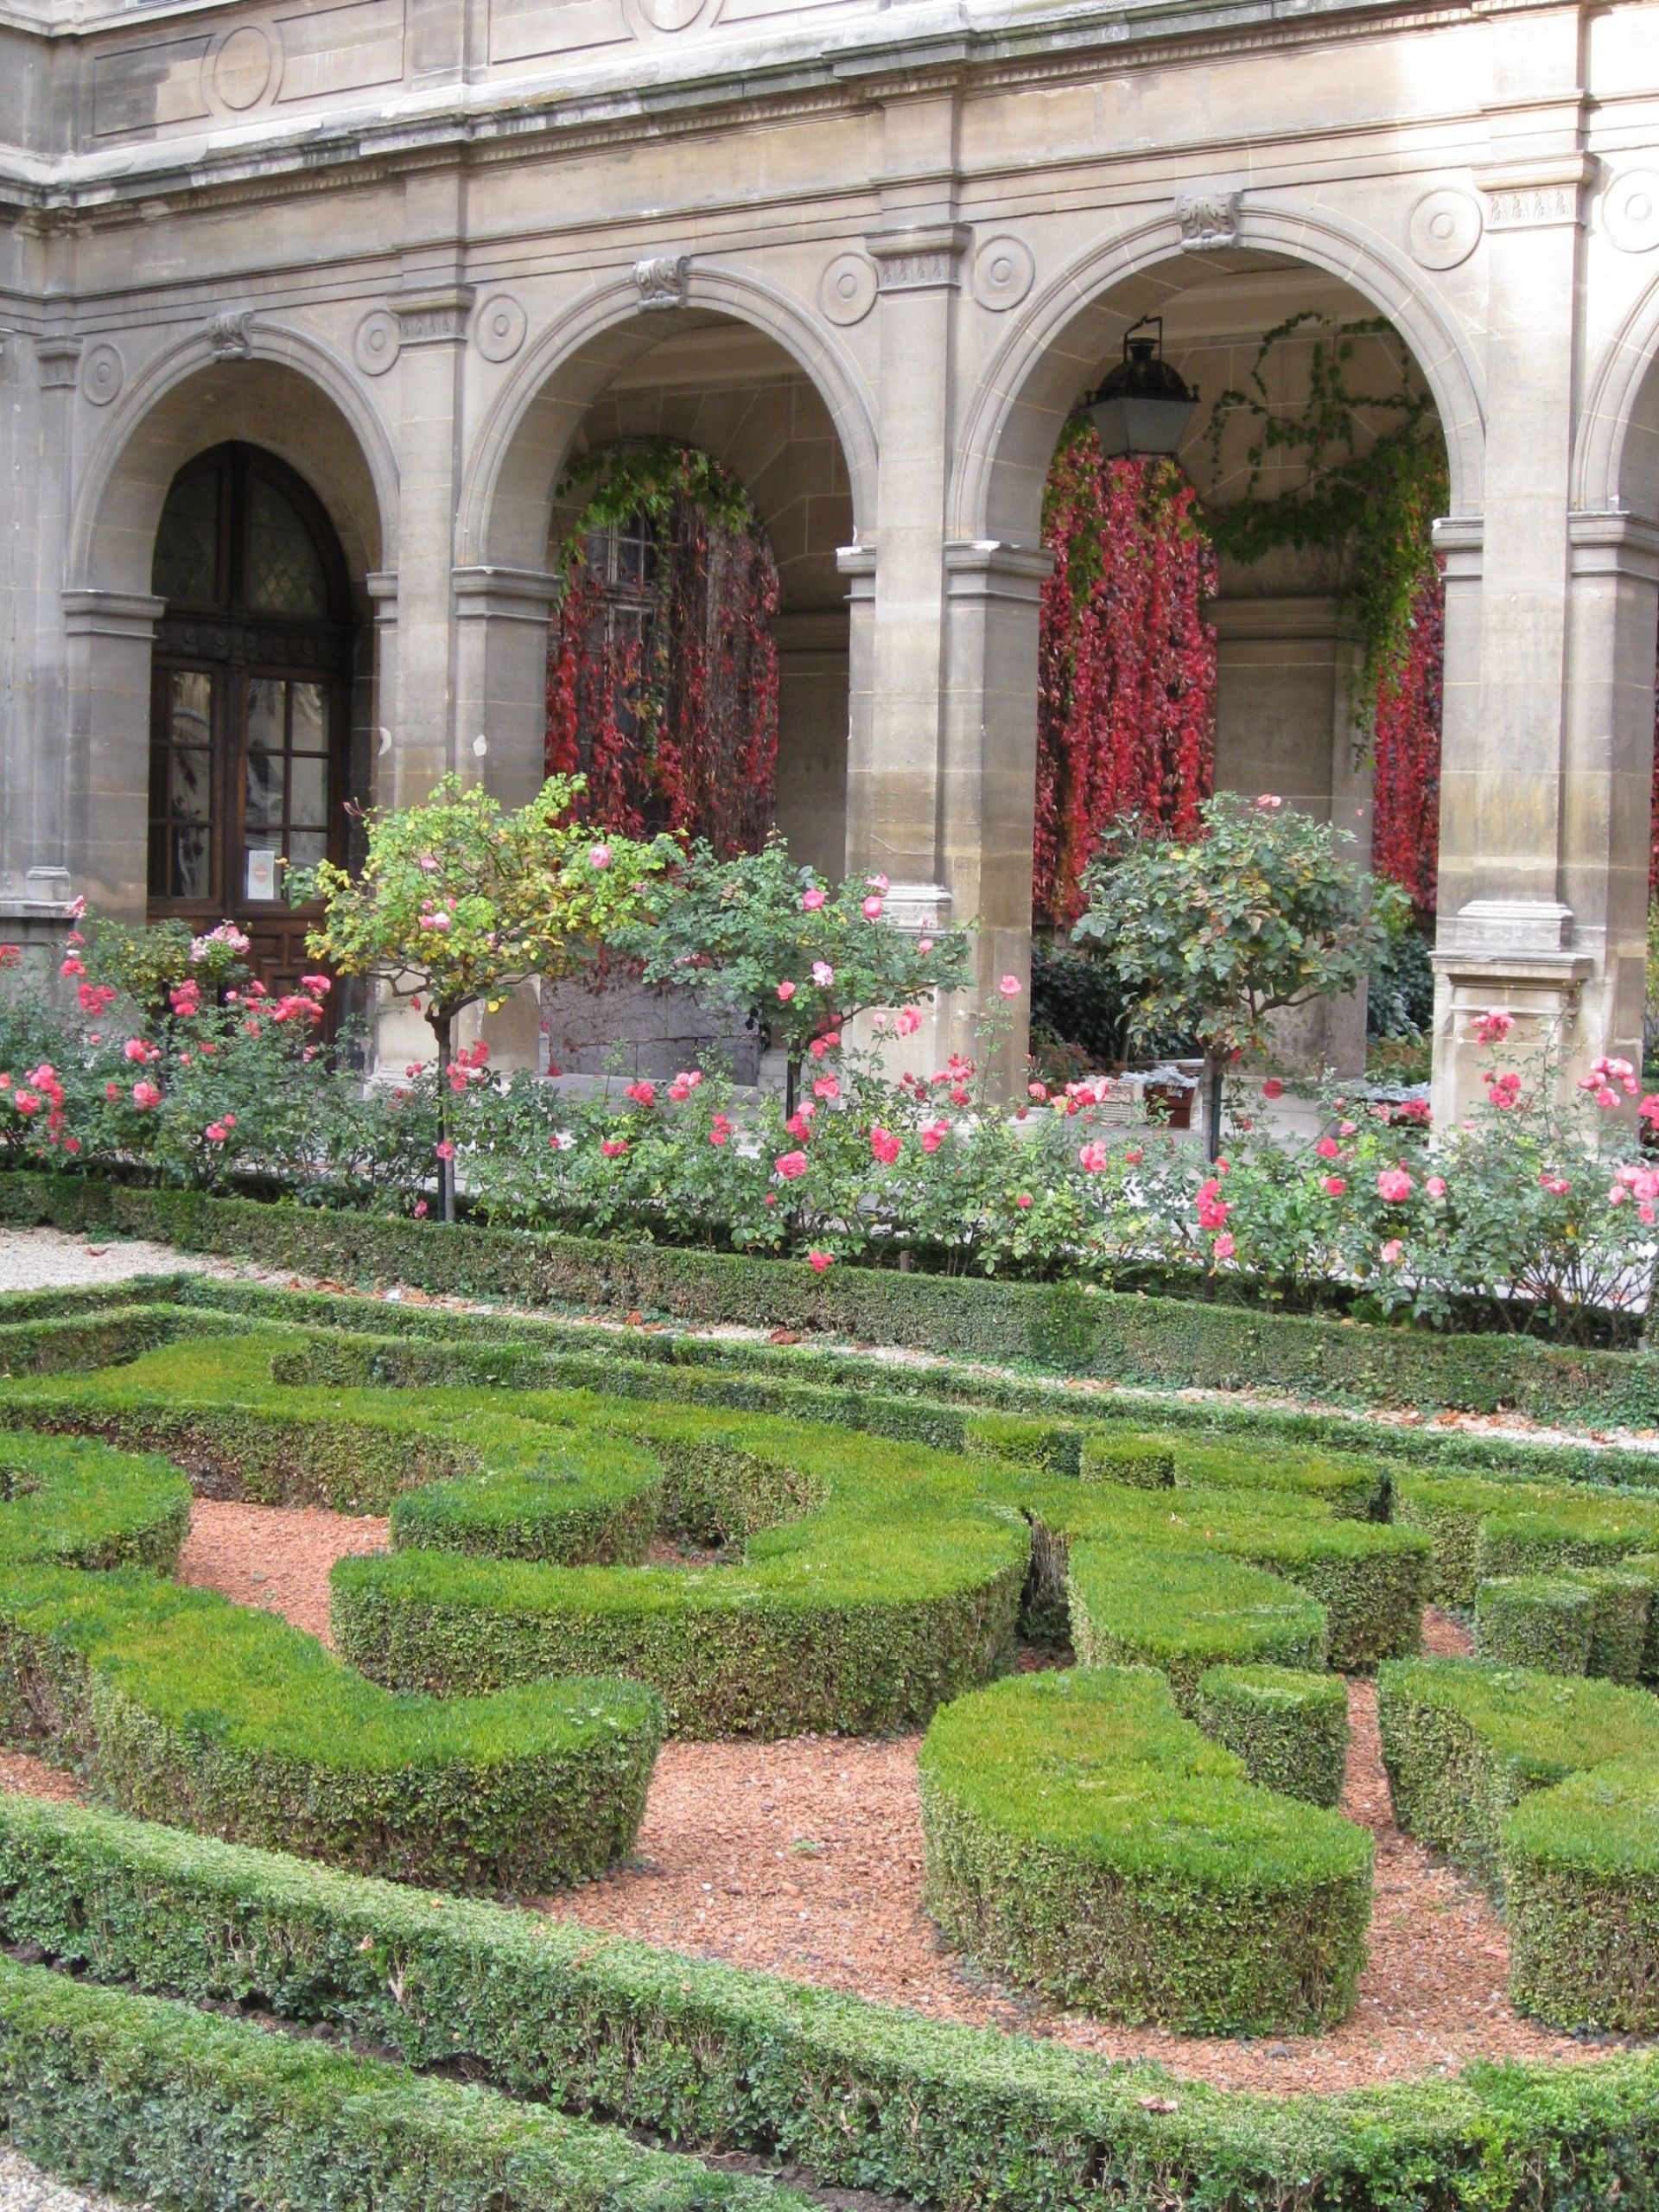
(1303, 387)
(662, 675)
(250, 700)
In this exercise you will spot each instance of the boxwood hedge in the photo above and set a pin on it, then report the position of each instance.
(1079, 1835)
(1289, 1727)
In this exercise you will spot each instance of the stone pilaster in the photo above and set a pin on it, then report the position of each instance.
(502, 616)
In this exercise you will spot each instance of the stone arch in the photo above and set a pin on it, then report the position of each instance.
(507, 498)
(1058, 347)
(1616, 462)
(290, 395)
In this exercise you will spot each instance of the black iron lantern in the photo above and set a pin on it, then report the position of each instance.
(1141, 408)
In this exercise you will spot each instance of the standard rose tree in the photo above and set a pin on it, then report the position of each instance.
(458, 902)
(771, 941)
(1212, 935)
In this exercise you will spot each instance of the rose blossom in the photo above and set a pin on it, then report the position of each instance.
(1392, 1252)
(885, 1145)
(1393, 1185)
(872, 909)
(1095, 1159)
(786, 992)
(613, 1148)
(823, 974)
(145, 1094)
(819, 1261)
(1336, 1184)
(811, 900)
(1328, 1148)
(1224, 1246)
(1009, 987)
(600, 857)
(790, 1165)
(1435, 1186)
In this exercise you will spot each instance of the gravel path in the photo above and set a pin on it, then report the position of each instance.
(24, 2188)
(46, 1259)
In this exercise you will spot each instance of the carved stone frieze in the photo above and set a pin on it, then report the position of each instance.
(1207, 217)
(436, 316)
(661, 279)
(1536, 196)
(926, 259)
(230, 335)
(59, 360)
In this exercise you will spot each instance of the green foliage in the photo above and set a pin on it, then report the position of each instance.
(616, 483)
(1371, 468)
(159, 2101)
(144, 963)
(770, 940)
(1288, 1725)
(1581, 1863)
(1259, 912)
(1080, 1835)
(1534, 1620)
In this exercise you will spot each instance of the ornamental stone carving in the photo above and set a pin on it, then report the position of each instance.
(241, 72)
(1444, 229)
(378, 343)
(926, 259)
(1207, 218)
(103, 374)
(229, 335)
(1629, 211)
(59, 360)
(1534, 196)
(435, 317)
(661, 279)
(847, 289)
(499, 328)
(1003, 270)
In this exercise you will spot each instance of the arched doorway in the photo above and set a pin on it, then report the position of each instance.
(249, 701)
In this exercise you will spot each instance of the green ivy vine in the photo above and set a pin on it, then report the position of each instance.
(1370, 496)
(617, 483)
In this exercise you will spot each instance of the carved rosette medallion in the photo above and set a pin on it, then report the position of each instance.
(499, 328)
(1443, 229)
(1629, 211)
(1003, 271)
(377, 342)
(102, 373)
(848, 288)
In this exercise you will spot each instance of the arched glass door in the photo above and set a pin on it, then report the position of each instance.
(249, 701)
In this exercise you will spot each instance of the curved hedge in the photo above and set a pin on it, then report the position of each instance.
(1080, 1835)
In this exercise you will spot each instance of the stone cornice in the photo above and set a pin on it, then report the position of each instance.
(883, 56)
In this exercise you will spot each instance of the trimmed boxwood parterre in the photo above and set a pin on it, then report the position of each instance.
(1082, 1836)
(1168, 1343)
(158, 2100)
(551, 1474)
(862, 2096)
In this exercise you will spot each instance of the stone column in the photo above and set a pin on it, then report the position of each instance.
(502, 617)
(1286, 722)
(1506, 934)
(109, 636)
(812, 689)
(988, 783)
(431, 309)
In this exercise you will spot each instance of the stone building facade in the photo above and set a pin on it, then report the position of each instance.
(344, 285)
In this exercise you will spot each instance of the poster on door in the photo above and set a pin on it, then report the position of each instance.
(262, 872)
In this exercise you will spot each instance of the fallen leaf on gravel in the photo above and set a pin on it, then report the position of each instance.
(1159, 2104)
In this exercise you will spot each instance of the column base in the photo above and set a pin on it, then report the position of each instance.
(1516, 955)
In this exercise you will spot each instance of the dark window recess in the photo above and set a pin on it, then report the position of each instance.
(249, 702)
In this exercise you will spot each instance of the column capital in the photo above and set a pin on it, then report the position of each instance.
(1536, 195)
(484, 592)
(857, 564)
(433, 314)
(991, 568)
(1460, 542)
(112, 614)
(1608, 541)
(919, 256)
(381, 585)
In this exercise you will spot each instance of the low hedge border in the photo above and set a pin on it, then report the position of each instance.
(1539, 1621)
(1170, 1343)
(155, 2099)
(182, 1706)
(863, 2095)
(871, 1391)
(1289, 1727)
(1581, 1870)
(1082, 1838)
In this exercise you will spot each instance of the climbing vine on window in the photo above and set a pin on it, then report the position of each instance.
(1127, 666)
(662, 672)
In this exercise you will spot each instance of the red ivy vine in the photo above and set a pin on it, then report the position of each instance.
(663, 683)
(1127, 663)
(1406, 803)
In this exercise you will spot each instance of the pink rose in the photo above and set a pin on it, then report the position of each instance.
(720, 1130)
(885, 1145)
(613, 1148)
(925, 945)
(600, 857)
(823, 974)
(1095, 1159)
(1268, 802)
(444, 1149)
(1024, 1201)
(643, 1094)
(215, 1133)
(1009, 987)
(1335, 1185)
(1393, 1185)
(811, 900)
(872, 909)
(145, 1094)
(1435, 1186)
(819, 1261)
(907, 1021)
(934, 1136)
(1224, 1246)
(790, 1165)
(879, 883)
(786, 992)
(1328, 1148)
(1272, 1088)
(825, 1086)
(1557, 1185)
(1135, 1156)
(1493, 1026)
(135, 1049)
(1346, 1128)
(1392, 1252)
